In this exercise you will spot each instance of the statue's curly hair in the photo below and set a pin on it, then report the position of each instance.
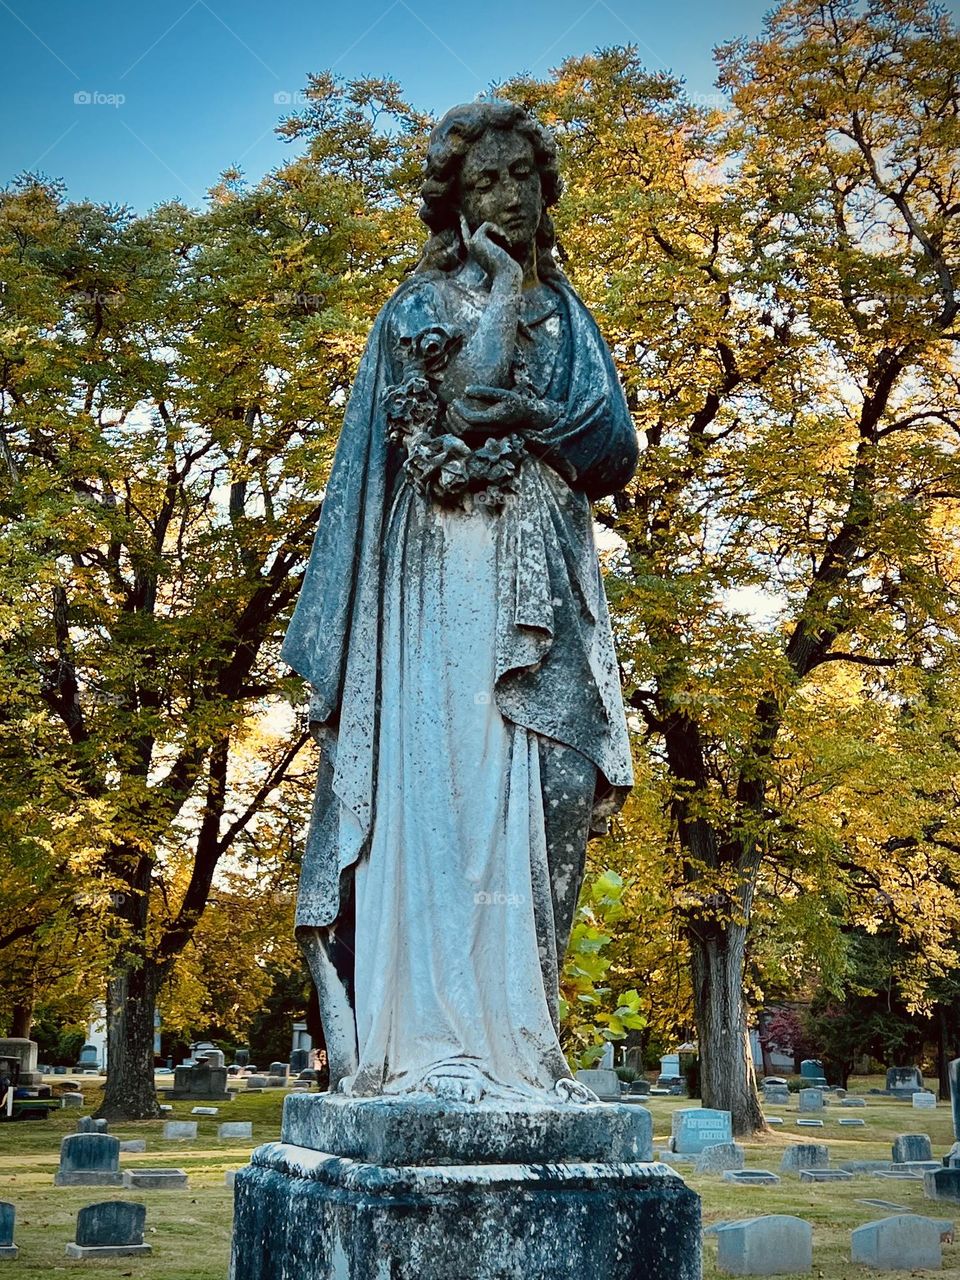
(446, 151)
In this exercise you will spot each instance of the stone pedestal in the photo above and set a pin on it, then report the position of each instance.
(372, 1189)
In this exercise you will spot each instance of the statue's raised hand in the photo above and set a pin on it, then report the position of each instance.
(497, 410)
(502, 269)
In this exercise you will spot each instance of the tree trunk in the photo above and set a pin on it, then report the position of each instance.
(130, 1092)
(726, 1074)
(21, 1023)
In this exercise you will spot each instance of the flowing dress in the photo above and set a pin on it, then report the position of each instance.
(482, 787)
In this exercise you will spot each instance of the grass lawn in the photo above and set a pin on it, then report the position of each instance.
(190, 1230)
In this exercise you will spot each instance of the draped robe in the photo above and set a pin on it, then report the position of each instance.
(388, 611)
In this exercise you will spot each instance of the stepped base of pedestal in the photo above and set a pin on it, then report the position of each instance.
(318, 1216)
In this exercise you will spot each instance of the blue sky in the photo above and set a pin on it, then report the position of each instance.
(136, 104)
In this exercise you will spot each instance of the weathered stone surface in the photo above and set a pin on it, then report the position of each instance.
(358, 1221)
(422, 1131)
(911, 1146)
(180, 1130)
(605, 1084)
(900, 1243)
(693, 1128)
(89, 1160)
(853, 1102)
(825, 1175)
(235, 1129)
(768, 1246)
(71, 1100)
(942, 1184)
(773, 1119)
(751, 1177)
(852, 1121)
(133, 1144)
(811, 1099)
(204, 1111)
(155, 1179)
(201, 1081)
(810, 1124)
(904, 1080)
(865, 1166)
(8, 1214)
(87, 1124)
(111, 1222)
(804, 1155)
(924, 1101)
(776, 1095)
(717, 1159)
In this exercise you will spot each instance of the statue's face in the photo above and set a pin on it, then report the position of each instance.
(499, 183)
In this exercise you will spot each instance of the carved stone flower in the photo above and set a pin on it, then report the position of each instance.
(433, 348)
(410, 407)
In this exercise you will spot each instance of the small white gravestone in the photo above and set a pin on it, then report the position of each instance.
(811, 1099)
(204, 1111)
(900, 1243)
(772, 1245)
(605, 1084)
(235, 1129)
(924, 1101)
(180, 1130)
(694, 1128)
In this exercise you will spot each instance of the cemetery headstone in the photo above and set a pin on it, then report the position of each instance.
(605, 1084)
(942, 1184)
(776, 1095)
(804, 1155)
(200, 1082)
(8, 1215)
(24, 1053)
(133, 1144)
(204, 1111)
(692, 1129)
(810, 1124)
(811, 1070)
(904, 1081)
(853, 1102)
(825, 1175)
(180, 1130)
(751, 1177)
(278, 1069)
(911, 1146)
(639, 1088)
(775, 1244)
(71, 1100)
(299, 1061)
(901, 1243)
(212, 1057)
(923, 1100)
(811, 1099)
(112, 1229)
(236, 1129)
(719, 1158)
(155, 1179)
(852, 1121)
(89, 1160)
(87, 1124)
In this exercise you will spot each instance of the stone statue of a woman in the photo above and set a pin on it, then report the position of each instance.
(453, 626)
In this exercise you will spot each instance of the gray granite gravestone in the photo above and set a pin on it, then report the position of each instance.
(200, 1082)
(112, 1229)
(299, 1061)
(89, 1160)
(236, 1129)
(725, 1155)
(904, 1081)
(853, 1102)
(751, 1177)
(911, 1146)
(8, 1214)
(811, 1099)
(71, 1100)
(133, 1144)
(155, 1179)
(180, 1130)
(693, 1129)
(924, 1100)
(811, 1072)
(604, 1083)
(776, 1095)
(804, 1155)
(775, 1244)
(905, 1242)
(942, 1184)
(87, 1124)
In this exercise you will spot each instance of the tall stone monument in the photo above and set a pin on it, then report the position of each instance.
(453, 628)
